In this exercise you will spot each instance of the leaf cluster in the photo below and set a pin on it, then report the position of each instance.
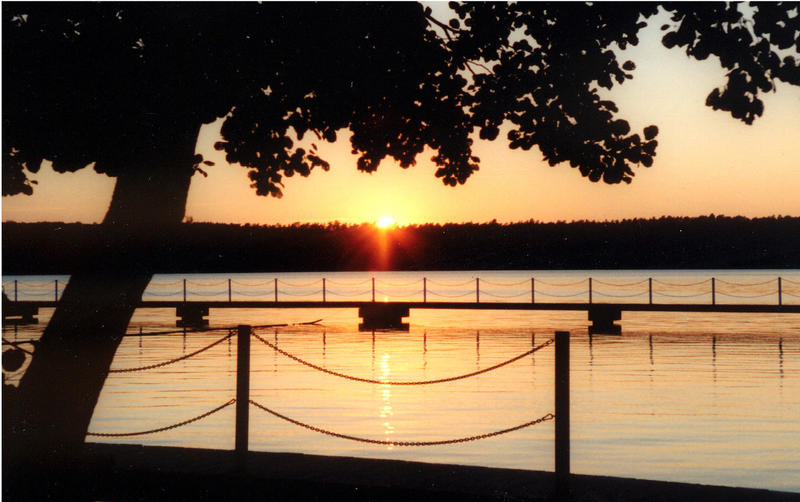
(112, 85)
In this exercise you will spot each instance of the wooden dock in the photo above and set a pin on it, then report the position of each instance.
(390, 314)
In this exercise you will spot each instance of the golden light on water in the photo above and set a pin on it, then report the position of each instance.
(386, 391)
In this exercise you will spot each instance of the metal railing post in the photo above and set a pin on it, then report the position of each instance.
(477, 290)
(533, 291)
(424, 290)
(373, 289)
(276, 290)
(713, 291)
(184, 290)
(229, 290)
(780, 293)
(562, 467)
(56, 290)
(15, 290)
(650, 289)
(590, 290)
(323, 290)
(242, 394)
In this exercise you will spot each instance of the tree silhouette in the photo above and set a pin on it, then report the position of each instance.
(124, 88)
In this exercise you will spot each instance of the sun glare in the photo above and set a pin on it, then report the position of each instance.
(386, 222)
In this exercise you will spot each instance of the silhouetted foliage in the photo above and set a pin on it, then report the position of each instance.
(671, 243)
(101, 84)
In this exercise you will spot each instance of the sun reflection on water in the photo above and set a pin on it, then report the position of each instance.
(386, 397)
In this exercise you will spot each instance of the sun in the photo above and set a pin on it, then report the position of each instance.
(386, 222)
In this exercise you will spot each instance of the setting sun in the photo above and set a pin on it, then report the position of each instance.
(386, 222)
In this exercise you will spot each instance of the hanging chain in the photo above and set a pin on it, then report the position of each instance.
(171, 361)
(161, 429)
(544, 418)
(420, 382)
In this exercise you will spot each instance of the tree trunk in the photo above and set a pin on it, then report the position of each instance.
(57, 395)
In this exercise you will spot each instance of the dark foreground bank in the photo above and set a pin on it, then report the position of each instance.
(132, 472)
(664, 243)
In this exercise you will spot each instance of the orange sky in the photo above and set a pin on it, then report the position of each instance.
(707, 162)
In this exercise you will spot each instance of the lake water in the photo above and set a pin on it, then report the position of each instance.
(710, 398)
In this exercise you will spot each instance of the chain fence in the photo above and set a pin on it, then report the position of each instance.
(505, 284)
(162, 429)
(299, 284)
(510, 290)
(561, 284)
(559, 295)
(445, 295)
(172, 361)
(498, 295)
(389, 382)
(621, 284)
(387, 442)
(206, 284)
(681, 285)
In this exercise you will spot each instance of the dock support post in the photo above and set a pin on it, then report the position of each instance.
(191, 315)
(383, 316)
(562, 415)
(603, 317)
(242, 394)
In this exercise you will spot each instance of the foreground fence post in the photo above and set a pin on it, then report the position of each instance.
(242, 394)
(562, 415)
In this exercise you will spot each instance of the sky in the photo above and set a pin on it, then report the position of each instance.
(706, 162)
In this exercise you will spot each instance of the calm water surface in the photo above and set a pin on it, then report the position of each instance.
(707, 398)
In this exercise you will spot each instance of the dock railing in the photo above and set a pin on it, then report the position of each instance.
(647, 291)
(243, 401)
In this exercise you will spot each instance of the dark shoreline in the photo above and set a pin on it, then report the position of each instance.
(710, 242)
(134, 472)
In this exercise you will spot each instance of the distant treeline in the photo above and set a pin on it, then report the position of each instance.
(672, 243)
